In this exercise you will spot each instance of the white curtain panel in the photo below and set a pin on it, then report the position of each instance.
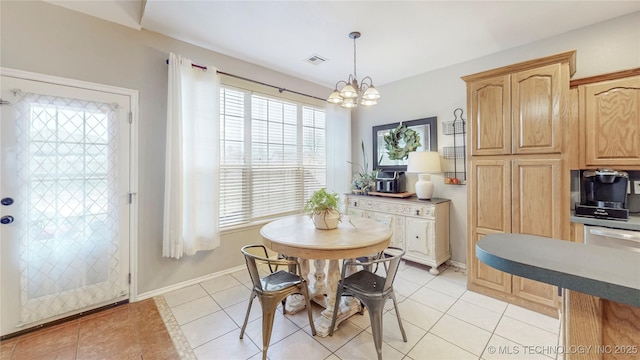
(191, 200)
(339, 170)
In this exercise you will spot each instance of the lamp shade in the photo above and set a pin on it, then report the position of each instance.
(424, 162)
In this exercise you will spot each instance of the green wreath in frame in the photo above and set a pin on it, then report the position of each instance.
(399, 142)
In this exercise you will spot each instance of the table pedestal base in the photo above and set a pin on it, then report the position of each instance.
(322, 289)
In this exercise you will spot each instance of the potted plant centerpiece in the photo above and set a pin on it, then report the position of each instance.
(324, 209)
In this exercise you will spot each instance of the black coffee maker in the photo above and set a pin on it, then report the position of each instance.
(604, 194)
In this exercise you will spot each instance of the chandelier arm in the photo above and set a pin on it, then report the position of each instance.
(342, 81)
(363, 85)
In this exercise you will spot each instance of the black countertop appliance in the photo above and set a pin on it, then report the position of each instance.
(391, 182)
(604, 194)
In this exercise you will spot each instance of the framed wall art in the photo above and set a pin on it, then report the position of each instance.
(391, 155)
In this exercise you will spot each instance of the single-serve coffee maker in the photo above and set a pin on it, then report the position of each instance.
(604, 194)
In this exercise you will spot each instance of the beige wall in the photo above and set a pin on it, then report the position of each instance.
(605, 47)
(43, 38)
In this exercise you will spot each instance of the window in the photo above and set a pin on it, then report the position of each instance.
(272, 156)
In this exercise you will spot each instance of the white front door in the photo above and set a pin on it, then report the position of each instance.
(64, 191)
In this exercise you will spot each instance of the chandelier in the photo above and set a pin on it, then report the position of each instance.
(349, 94)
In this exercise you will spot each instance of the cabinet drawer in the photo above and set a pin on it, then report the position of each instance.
(414, 210)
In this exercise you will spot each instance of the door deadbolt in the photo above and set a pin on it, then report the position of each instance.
(7, 219)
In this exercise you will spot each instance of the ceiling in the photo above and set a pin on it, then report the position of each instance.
(399, 39)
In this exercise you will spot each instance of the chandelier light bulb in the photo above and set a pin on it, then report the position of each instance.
(335, 98)
(349, 92)
(371, 94)
(349, 103)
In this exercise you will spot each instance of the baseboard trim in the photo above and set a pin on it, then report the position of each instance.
(457, 264)
(166, 289)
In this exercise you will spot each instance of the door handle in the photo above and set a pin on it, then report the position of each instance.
(6, 201)
(7, 219)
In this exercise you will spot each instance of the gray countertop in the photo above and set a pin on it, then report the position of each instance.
(632, 224)
(608, 273)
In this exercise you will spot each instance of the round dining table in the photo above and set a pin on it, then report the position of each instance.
(296, 236)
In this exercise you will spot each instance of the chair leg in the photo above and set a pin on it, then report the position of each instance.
(375, 315)
(395, 305)
(269, 306)
(305, 292)
(336, 306)
(246, 317)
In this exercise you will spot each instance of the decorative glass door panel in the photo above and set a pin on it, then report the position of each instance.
(65, 163)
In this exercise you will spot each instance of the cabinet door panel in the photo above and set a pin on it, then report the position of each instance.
(536, 106)
(610, 112)
(490, 124)
(491, 199)
(537, 198)
(535, 291)
(537, 210)
(420, 238)
(483, 274)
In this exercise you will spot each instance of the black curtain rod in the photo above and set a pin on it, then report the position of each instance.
(280, 89)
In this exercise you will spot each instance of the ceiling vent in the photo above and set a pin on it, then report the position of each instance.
(315, 59)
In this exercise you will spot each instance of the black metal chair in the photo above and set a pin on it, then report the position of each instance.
(272, 289)
(371, 289)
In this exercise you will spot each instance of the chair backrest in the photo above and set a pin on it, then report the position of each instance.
(250, 256)
(256, 255)
(389, 258)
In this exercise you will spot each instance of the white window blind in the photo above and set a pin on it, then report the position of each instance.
(273, 156)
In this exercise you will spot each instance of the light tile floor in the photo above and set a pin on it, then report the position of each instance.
(441, 318)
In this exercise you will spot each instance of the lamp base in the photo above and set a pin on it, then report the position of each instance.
(424, 187)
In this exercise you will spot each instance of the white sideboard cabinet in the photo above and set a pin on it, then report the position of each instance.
(421, 227)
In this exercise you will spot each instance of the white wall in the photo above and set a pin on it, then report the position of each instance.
(48, 39)
(605, 47)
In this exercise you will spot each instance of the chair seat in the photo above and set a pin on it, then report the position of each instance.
(365, 282)
(279, 280)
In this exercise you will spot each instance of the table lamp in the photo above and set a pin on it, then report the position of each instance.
(424, 163)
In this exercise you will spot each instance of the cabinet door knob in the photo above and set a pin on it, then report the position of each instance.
(417, 211)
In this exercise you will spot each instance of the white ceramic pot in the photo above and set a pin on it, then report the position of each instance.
(326, 220)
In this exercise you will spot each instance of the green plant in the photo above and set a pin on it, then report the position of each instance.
(322, 201)
(365, 180)
(399, 142)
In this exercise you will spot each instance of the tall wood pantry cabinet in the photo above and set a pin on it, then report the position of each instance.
(518, 175)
